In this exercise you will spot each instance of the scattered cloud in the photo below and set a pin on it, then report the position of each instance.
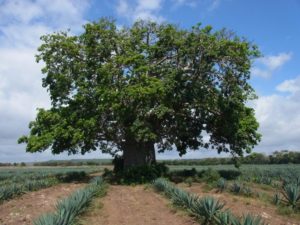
(179, 3)
(291, 86)
(279, 117)
(214, 4)
(22, 22)
(265, 66)
(140, 9)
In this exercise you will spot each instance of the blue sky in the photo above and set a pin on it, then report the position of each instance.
(273, 25)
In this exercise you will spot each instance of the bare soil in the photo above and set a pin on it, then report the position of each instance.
(26, 208)
(240, 205)
(128, 205)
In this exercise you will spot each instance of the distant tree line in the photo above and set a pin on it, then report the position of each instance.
(90, 162)
(13, 164)
(278, 157)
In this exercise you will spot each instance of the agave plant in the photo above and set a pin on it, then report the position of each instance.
(207, 207)
(249, 220)
(277, 198)
(221, 184)
(183, 198)
(224, 218)
(47, 219)
(236, 188)
(247, 191)
(291, 192)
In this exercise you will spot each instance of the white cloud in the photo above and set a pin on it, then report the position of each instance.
(279, 118)
(140, 9)
(273, 62)
(291, 86)
(214, 4)
(22, 23)
(265, 66)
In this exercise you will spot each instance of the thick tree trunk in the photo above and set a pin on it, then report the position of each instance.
(138, 154)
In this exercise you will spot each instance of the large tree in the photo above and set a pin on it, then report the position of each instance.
(146, 86)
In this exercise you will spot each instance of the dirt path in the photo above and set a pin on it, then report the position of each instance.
(127, 205)
(240, 205)
(26, 208)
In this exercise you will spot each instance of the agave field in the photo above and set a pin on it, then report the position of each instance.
(211, 195)
(15, 182)
(274, 186)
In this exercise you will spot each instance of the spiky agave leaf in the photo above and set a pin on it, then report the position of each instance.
(207, 207)
(291, 192)
(225, 218)
(47, 219)
(248, 220)
(276, 198)
(67, 209)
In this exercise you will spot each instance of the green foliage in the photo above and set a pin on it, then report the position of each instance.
(210, 176)
(112, 88)
(72, 176)
(189, 181)
(229, 174)
(137, 174)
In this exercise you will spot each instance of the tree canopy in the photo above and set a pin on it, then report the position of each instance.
(132, 88)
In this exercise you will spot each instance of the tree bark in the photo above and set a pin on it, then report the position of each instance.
(138, 154)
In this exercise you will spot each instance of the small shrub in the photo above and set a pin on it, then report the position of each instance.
(236, 188)
(141, 174)
(247, 191)
(189, 181)
(210, 176)
(229, 174)
(221, 184)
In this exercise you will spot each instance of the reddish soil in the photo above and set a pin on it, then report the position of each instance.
(127, 205)
(240, 205)
(26, 208)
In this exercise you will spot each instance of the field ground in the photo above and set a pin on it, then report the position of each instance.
(24, 209)
(134, 205)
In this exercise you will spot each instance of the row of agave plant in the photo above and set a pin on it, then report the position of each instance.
(208, 209)
(288, 195)
(273, 177)
(236, 187)
(13, 190)
(21, 175)
(68, 209)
